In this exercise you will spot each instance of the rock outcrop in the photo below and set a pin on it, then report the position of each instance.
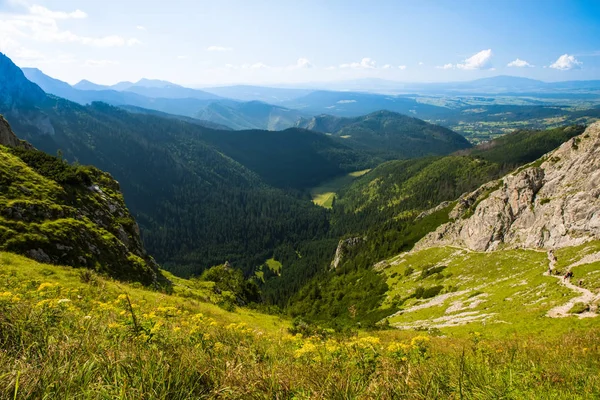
(552, 203)
(344, 246)
(8, 138)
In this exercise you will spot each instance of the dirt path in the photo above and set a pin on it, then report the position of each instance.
(587, 297)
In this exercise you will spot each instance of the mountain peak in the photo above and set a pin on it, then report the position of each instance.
(155, 83)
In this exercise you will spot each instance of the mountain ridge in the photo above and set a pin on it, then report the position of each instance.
(550, 204)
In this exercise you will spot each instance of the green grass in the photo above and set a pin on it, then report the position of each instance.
(274, 265)
(502, 292)
(324, 194)
(66, 333)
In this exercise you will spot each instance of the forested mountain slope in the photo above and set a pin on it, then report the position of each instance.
(389, 135)
(249, 115)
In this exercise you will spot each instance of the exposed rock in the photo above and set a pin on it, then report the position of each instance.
(426, 213)
(343, 248)
(553, 205)
(7, 136)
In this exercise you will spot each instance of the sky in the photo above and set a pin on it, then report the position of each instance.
(219, 42)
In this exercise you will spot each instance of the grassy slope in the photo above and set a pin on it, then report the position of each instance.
(47, 207)
(324, 194)
(504, 292)
(68, 335)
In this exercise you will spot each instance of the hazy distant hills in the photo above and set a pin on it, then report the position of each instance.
(257, 107)
(169, 98)
(352, 104)
(259, 93)
(196, 121)
(250, 115)
(180, 106)
(501, 84)
(389, 134)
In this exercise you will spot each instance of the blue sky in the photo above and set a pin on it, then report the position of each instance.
(262, 42)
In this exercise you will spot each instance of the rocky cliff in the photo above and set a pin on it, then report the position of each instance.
(551, 203)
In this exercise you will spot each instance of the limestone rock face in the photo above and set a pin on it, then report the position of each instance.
(7, 137)
(343, 248)
(553, 205)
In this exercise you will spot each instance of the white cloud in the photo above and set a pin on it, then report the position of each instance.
(566, 62)
(421, 63)
(302, 63)
(218, 48)
(346, 101)
(41, 24)
(481, 60)
(258, 65)
(365, 63)
(445, 66)
(402, 67)
(140, 28)
(100, 63)
(518, 63)
(46, 13)
(330, 68)
(387, 66)
(184, 58)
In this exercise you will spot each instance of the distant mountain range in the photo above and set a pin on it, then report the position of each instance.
(249, 107)
(501, 84)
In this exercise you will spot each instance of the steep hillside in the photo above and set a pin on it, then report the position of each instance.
(249, 115)
(389, 135)
(293, 158)
(550, 204)
(56, 213)
(204, 123)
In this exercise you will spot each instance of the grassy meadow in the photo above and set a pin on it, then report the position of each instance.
(69, 333)
(324, 194)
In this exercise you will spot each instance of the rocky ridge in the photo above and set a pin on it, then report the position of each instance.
(551, 203)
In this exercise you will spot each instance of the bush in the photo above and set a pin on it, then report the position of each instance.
(579, 308)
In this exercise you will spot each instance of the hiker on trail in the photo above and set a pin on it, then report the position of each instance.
(581, 282)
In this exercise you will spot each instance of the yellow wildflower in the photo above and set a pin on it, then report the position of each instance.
(420, 341)
(309, 350)
(44, 286)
